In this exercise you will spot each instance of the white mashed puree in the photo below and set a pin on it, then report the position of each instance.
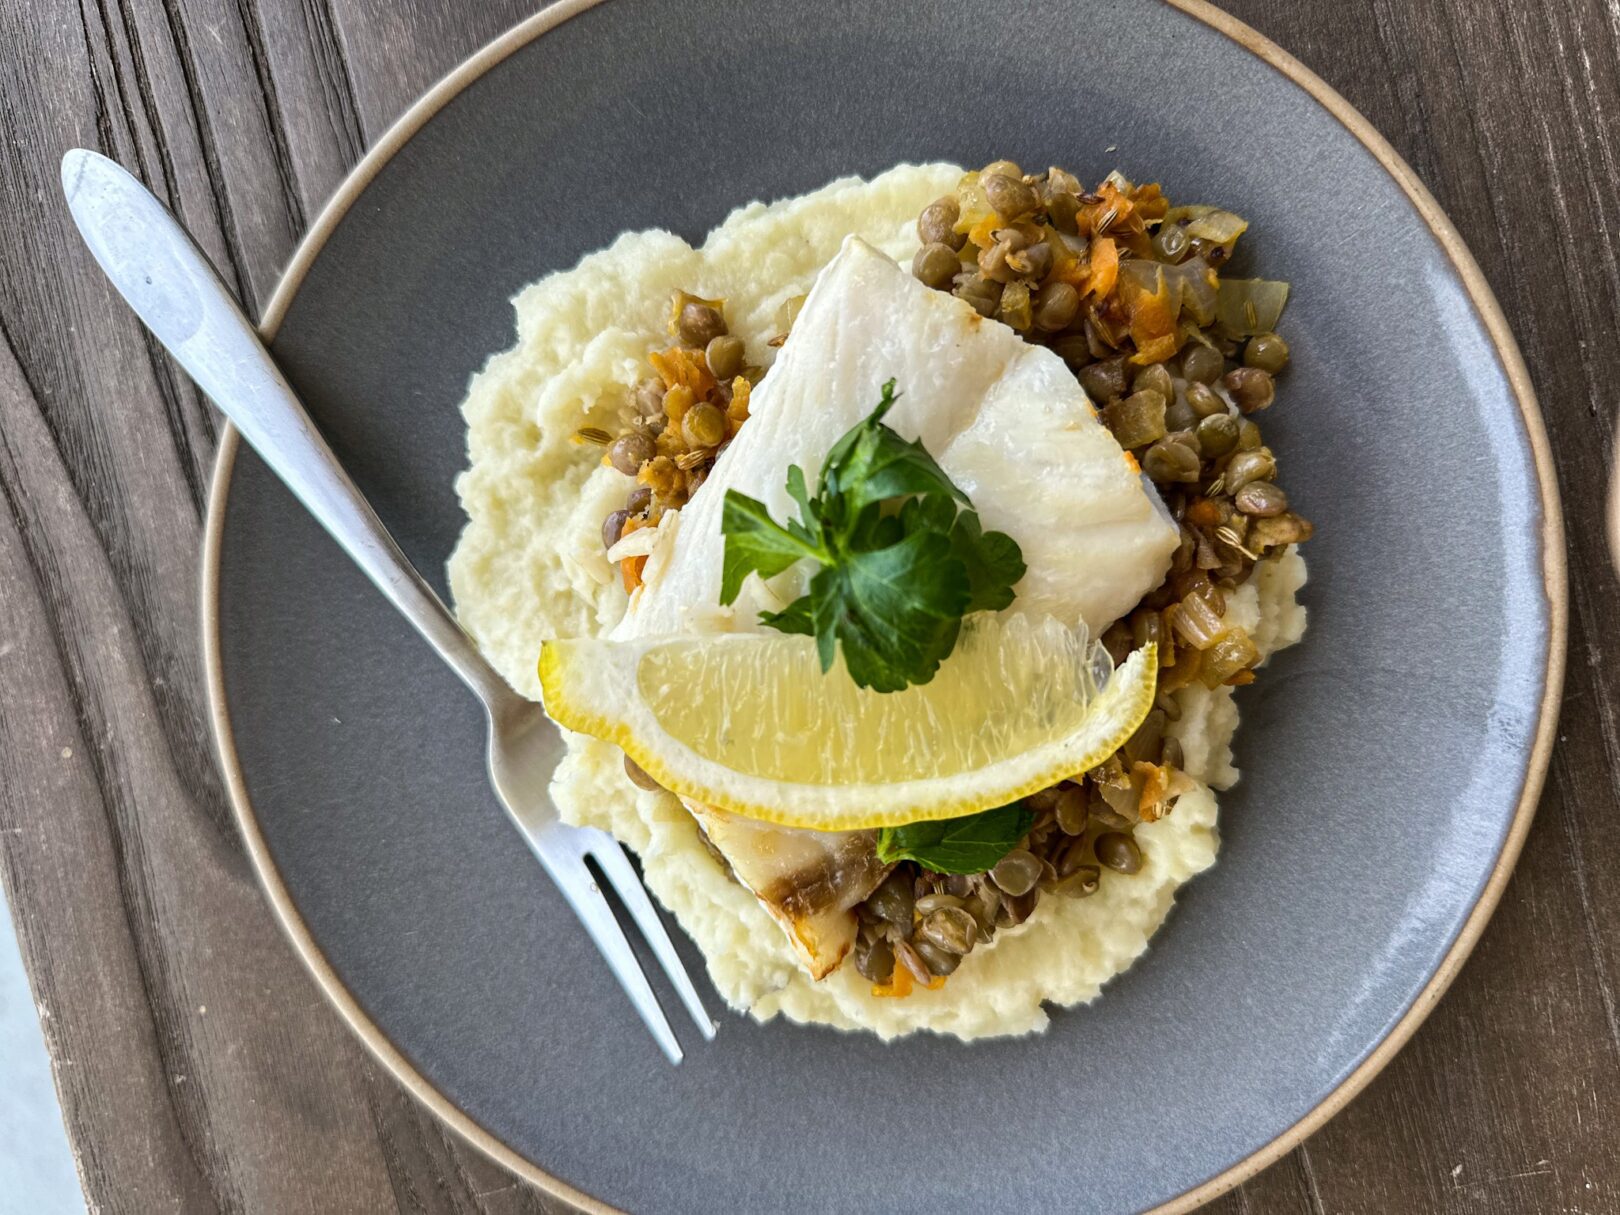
(530, 566)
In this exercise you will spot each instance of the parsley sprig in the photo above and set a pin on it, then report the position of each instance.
(902, 554)
(970, 844)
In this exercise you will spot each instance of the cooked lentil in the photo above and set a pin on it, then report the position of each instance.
(1267, 351)
(950, 928)
(1119, 852)
(936, 264)
(724, 356)
(1017, 872)
(700, 324)
(629, 452)
(1251, 387)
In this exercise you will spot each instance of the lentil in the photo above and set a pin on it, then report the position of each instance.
(1017, 872)
(629, 452)
(1266, 351)
(1248, 466)
(724, 355)
(875, 960)
(1218, 434)
(1170, 242)
(1169, 460)
(1202, 365)
(1104, 380)
(893, 900)
(699, 324)
(930, 903)
(1056, 306)
(984, 294)
(1252, 388)
(1204, 400)
(950, 928)
(939, 961)
(1155, 378)
(936, 265)
(1261, 498)
(703, 425)
(1008, 195)
(937, 223)
(1119, 852)
(1073, 808)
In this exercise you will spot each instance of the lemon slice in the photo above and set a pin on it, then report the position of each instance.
(748, 723)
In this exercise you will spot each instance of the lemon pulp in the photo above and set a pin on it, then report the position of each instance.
(764, 706)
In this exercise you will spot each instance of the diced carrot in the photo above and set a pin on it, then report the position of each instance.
(678, 365)
(630, 572)
(1155, 783)
(1157, 350)
(741, 390)
(1149, 201)
(902, 983)
(899, 984)
(1104, 267)
(1076, 272)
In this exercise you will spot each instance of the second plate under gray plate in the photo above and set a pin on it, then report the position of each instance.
(1385, 759)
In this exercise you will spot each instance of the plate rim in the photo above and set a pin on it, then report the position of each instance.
(1554, 572)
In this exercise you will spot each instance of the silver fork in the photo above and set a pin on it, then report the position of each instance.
(170, 284)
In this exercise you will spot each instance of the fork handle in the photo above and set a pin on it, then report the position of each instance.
(173, 288)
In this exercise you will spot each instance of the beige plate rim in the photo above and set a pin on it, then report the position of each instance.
(1553, 571)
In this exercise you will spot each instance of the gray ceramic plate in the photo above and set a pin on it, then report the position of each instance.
(1391, 762)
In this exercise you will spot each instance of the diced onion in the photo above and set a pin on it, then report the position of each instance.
(639, 543)
(1218, 227)
(1232, 653)
(1197, 622)
(1246, 306)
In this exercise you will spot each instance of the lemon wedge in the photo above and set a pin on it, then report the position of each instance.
(748, 723)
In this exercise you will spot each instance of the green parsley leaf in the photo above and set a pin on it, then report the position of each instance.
(970, 844)
(902, 556)
(872, 463)
(800, 493)
(897, 612)
(993, 561)
(795, 618)
(755, 541)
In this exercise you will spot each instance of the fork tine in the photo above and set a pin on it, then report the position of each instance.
(617, 869)
(591, 906)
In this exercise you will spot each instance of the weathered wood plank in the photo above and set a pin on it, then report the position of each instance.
(135, 905)
(396, 51)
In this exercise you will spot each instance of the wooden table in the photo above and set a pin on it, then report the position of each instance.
(197, 1064)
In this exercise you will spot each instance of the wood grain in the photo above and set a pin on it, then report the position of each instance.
(198, 1067)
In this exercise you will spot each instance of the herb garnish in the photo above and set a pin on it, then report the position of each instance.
(894, 584)
(970, 844)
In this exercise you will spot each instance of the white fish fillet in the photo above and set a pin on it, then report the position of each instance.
(1010, 425)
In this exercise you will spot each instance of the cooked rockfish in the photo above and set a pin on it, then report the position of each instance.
(1009, 424)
